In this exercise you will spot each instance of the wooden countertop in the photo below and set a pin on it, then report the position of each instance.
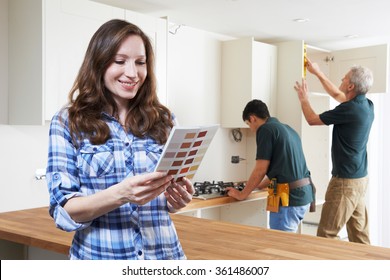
(201, 239)
(197, 203)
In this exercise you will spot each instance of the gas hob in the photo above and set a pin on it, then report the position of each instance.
(208, 190)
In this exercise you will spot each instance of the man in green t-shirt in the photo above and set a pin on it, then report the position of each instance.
(352, 120)
(279, 156)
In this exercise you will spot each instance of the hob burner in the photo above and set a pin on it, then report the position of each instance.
(214, 189)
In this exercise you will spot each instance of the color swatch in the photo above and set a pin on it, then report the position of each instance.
(184, 150)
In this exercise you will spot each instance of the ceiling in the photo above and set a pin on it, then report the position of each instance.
(328, 26)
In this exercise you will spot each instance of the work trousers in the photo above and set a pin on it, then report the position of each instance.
(288, 218)
(345, 205)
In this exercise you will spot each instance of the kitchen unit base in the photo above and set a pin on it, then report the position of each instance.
(249, 212)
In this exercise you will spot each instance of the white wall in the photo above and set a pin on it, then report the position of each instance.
(378, 195)
(23, 149)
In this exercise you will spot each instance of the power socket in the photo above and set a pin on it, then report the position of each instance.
(235, 159)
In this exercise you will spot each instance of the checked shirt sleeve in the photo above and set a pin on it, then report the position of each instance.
(62, 173)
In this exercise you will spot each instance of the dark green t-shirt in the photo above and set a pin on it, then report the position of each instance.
(352, 122)
(282, 146)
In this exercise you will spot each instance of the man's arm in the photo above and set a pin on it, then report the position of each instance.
(329, 87)
(264, 183)
(255, 180)
(311, 117)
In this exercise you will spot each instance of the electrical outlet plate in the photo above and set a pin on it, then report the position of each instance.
(235, 159)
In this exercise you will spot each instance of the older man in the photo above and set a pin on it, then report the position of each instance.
(352, 120)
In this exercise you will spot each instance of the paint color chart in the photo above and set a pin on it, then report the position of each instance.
(185, 150)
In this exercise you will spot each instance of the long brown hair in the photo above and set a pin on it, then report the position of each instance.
(89, 97)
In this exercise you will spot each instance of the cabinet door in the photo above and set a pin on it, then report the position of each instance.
(25, 104)
(248, 72)
(156, 29)
(68, 27)
(373, 57)
(323, 59)
(315, 140)
(264, 74)
(290, 70)
(236, 78)
(316, 143)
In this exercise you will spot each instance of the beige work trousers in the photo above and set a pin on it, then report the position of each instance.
(345, 205)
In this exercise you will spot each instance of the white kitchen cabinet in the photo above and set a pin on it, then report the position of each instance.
(334, 64)
(251, 212)
(68, 28)
(322, 58)
(47, 43)
(248, 72)
(157, 31)
(4, 62)
(48, 39)
(25, 69)
(315, 140)
(373, 57)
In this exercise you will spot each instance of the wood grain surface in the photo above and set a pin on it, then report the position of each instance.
(201, 239)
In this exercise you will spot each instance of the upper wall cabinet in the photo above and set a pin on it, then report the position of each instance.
(248, 72)
(373, 57)
(48, 40)
(157, 31)
(68, 28)
(334, 64)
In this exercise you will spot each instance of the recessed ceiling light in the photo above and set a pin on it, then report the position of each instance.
(351, 36)
(301, 20)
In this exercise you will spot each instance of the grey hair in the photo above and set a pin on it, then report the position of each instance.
(362, 78)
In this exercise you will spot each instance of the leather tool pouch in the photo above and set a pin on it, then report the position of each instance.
(283, 191)
(273, 203)
(273, 198)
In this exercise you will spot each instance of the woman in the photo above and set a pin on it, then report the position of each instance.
(103, 148)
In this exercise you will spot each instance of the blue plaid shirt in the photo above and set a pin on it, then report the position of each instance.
(128, 232)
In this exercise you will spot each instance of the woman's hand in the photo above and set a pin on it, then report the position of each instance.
(138, 189)
(178, 195)
(143, 188)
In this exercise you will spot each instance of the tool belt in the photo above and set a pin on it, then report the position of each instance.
(279, 193)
